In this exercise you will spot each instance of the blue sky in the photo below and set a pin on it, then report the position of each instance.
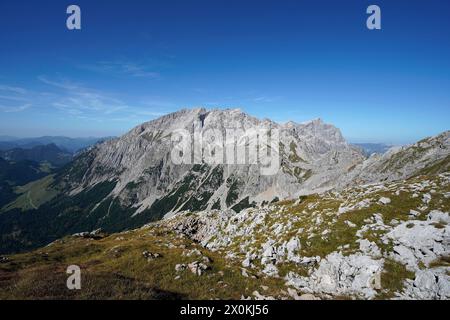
(285, 60)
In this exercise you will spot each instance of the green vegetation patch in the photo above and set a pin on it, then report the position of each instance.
(33, 194)
(393, 278)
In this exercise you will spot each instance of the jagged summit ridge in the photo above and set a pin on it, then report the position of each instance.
(314, 157)
(405, 162)
(142, 157)
(129, 181)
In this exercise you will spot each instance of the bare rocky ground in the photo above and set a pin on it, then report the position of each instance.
(379, 241)
(376, 241)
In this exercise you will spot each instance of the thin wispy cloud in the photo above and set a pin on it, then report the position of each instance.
(82, 102)
(128, 68)
(17, 90)
(262, 99)
(13, 99)
(61, 83)
(78, 99)
(11, 109)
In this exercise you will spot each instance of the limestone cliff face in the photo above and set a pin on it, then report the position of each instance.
(428, 156)
(132, 180)
(312, 156)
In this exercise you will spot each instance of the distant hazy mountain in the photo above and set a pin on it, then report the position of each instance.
(8, 138)
(42, 153)
(371, 148)
(7, 145)
(72, 145)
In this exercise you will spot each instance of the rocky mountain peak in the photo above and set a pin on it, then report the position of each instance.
(313, 158)
(132, 180)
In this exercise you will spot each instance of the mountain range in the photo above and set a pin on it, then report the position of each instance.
(42, 153)
(371, 148)
(72, 145)
(327, 209)
(128, 181)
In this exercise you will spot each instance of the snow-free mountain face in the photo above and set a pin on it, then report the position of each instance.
(129, 181)
(312, 156)
(428, 156)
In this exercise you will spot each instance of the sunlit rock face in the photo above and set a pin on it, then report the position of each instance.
(311, 157)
